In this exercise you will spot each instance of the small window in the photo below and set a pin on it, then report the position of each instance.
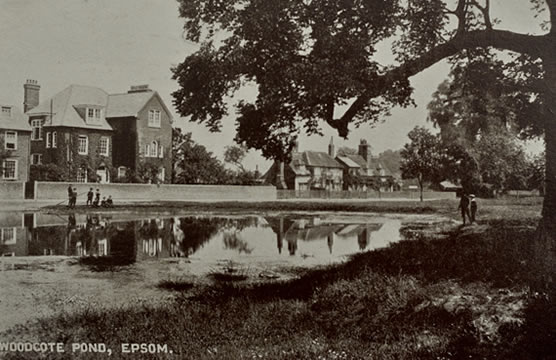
(121, 171)
(83, 145)
(36, 126)
(11, 140)
(154, 118)
(103, 146)
(6, 111)
(36, 159)
(54, 139)
(153, 149)
(161, 151)
(94, 116)
(147, 150)
(8, 236)
(82, 175)
(161, 174)
(10, 169)
(48, 140)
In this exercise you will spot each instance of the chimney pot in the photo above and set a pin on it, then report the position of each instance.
(31, 91)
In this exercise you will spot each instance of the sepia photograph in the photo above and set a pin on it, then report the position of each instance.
(278, 179)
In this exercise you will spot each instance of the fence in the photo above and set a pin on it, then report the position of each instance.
(372, 195)
(13, 190)
(146, 192)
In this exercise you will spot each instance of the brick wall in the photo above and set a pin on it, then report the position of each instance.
(144, 192)
(371, 195)
(12, 190)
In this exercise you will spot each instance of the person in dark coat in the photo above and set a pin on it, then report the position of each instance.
(73, 198)
(473, 207)
(464, 207)
(96, 203)
(90, 195)
(70, 193)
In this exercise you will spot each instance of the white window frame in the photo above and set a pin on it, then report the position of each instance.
(36, 124)
(38, 157)
(54, 139)
(161, 151)
(48, 140)
(153, 149)
(14, 141)
(154, 118)
(12, 240)
(93, 115)
(4, 163)
(106, 151)
(122, 171)
(81, 176)
(161, 174)
(79, 138)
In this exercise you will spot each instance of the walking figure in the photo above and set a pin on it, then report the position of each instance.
(90, 195)
(473, 206)
(464, 206)
(96, 203)
(73, 200)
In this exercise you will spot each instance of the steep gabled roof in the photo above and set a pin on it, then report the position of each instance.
(130, 104)
(65, 106)
(319, 159)
(348, 162)
(16, 120)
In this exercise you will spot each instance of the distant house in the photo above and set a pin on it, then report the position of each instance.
(87, 132)
(367, 171)
(308, 170)
(15, 135)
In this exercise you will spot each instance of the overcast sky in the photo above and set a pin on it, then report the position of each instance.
(113, 44)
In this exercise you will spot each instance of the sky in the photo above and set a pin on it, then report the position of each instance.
(113, 44)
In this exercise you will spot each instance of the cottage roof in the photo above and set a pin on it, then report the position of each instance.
(68, 107)
(319, 159)
(348, 162)
(375, 164)
(13, 121)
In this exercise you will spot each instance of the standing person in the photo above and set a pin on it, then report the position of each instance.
(96, 203)
(73, 198)
(70, 193)
(464, 206)
(473, 206)
(90, 195)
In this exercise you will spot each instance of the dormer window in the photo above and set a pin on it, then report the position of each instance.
(6, 111)
(94, 115)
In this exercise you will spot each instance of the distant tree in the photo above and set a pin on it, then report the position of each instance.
(193, 164)
(235, 155)
(344, 150)
(47, 172)
(422, 157)
(537, 173)
(391, 159)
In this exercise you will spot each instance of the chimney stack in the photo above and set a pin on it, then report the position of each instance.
(331, 151)
(139, 88)
(31, 91)
(365, 151)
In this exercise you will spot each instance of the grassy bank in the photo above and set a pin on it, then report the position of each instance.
(444, 293)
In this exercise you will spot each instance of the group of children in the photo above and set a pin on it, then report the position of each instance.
(92, 198)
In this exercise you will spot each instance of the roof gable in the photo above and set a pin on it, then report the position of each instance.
(320, 159)
(131, 104)
(15, 121)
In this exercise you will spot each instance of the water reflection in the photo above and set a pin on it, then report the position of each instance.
(127, 240)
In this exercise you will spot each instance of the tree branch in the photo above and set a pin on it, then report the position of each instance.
(500, 39)
(485, 10)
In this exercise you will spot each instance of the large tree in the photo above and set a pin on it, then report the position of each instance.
(310, 59)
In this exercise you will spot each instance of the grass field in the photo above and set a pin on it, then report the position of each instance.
(476, 292)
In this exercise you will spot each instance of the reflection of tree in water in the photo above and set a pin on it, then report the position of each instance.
(121, 242)
(198, 231)
(233, 241)
(51, 240)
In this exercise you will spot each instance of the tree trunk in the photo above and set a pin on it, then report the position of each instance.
(544, 249)
(420, 179)
(280, 176)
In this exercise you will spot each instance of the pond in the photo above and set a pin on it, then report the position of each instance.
(126, 239)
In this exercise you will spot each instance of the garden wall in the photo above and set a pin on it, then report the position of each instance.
(146, 192)
(12, 190)
(371, 195)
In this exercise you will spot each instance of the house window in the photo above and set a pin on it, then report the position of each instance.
(161, 174)
(154, 118)
(8, 236)
(81, 175)
(10, 169)
(36, 159)
(83, 145)
(103, 146)
(160, 151)
(54, 139)
(36, 126)
(48, 140)
(11, 140)
(6, 111)
(121, 171)
(93, 116)
(153, 149)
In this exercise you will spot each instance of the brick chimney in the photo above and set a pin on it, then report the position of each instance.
(365, 151)
(31, 91)
(139, 89)
(331, 150)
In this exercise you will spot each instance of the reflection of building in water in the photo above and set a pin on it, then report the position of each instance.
(14, 237)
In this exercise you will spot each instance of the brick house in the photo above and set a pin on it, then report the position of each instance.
(15, 135)
(93, 136)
